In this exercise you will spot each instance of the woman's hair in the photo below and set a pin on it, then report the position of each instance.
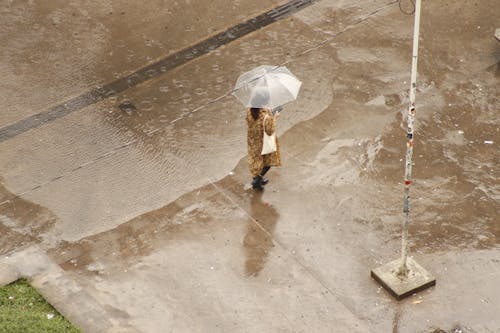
(255, 113)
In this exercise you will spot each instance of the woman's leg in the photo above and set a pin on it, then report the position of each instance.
(264, 170)
(259, 180)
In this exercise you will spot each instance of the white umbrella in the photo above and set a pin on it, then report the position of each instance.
(267, 87)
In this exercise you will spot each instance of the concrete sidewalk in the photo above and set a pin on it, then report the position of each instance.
(143, 220)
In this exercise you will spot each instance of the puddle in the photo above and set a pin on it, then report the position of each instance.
(153, 70)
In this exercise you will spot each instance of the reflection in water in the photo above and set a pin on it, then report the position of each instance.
(258, 242)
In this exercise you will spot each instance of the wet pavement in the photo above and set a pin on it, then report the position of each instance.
(139, 203)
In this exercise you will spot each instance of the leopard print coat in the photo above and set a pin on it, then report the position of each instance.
(256, 161)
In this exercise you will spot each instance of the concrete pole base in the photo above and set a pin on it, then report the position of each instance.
(417, 279)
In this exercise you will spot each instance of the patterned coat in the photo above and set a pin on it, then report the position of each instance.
(256, 161)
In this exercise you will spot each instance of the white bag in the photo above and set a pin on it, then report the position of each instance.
(268, 141)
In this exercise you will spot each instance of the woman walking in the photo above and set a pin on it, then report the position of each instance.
(258, 120)
(262, 89)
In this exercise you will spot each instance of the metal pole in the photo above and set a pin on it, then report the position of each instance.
(403, 270)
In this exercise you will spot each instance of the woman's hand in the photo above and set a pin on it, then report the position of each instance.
(277, 112)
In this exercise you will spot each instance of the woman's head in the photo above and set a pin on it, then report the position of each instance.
(255, 113)
(260, 100)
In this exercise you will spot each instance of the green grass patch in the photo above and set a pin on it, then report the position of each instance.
(24, 310)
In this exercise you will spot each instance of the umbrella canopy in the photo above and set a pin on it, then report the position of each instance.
(267, 87)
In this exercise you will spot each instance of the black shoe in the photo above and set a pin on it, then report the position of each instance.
(264, 181)
(257, 183)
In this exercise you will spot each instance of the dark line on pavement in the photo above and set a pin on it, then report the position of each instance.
(151, 71)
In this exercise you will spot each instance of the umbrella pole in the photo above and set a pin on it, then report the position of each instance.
(404, 276)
